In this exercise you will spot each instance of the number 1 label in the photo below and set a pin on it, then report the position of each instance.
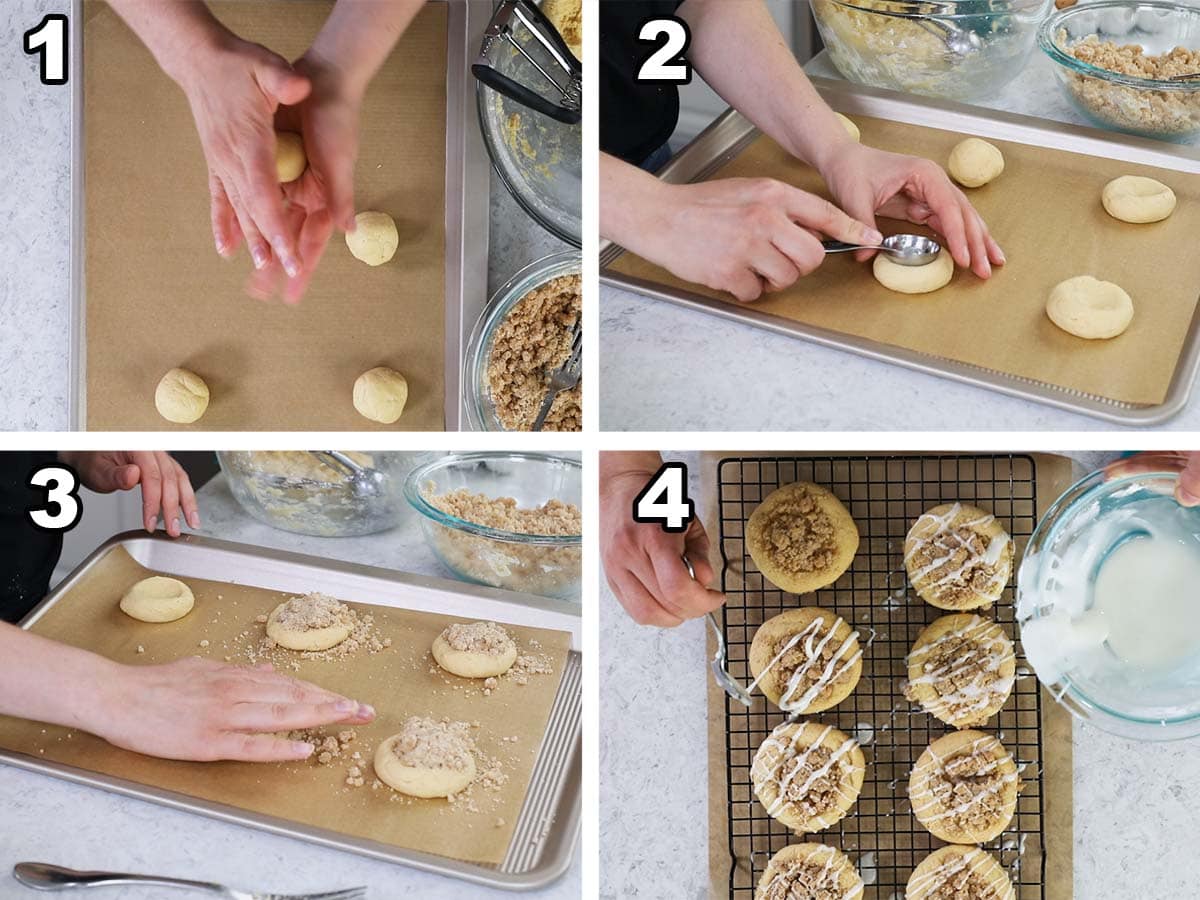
(49, 40)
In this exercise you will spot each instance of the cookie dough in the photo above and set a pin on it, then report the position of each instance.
(805, 660)
(427, 758)
(181, 397)
(914, 279)
(801, 537)
(380, 394)
(974, 162)
(807, 775)
(475, 650)
(959, 871)
(290, 159)
(961, 669)
(958, 557)
(851, 128)
(809, 870)
(964, 788)
(312, 622)
(1089, 308)
(158, 599)
(1133, 198)
(374, 239)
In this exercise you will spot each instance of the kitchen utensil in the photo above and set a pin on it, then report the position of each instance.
(364, 481)
(958, 40)
(719, 664)
(904, 249)
(47, 877)
(565, 377)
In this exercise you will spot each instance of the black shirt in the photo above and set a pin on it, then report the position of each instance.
(27, 554)
(635, 119)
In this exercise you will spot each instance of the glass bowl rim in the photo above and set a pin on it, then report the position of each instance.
(936, 9)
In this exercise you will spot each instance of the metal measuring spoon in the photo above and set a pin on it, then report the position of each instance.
(720, 660)
(904, 249)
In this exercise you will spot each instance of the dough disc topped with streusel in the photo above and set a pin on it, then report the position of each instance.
(801, 537)
(427, 758)
(475, 650)
(958, 872)
(958, 557)
(809, 872)
(805, 660)
(964, 788)
(807, 775)
(312, 622)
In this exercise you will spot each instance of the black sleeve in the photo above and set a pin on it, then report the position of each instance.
(28, 555)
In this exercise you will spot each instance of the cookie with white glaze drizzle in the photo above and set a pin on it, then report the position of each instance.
(807, 775)
(964, 788)
(958, 557)
(961, 669)
(805, 660)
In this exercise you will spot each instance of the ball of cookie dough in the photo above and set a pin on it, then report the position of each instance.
(973, 163)
(380, 394)
(374, 239)
(311, 622)
(158, 599)
(1132, 198)
(848, 124)
(475, 650)
(914, 279)
(290, 159)
(1089, 308)
(427, 758)
(181, 396)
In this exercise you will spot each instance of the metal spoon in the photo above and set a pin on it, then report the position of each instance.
(720, 660)
(904, 249)
(364, 482)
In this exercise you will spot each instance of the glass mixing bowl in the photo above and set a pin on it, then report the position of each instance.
(1107, 632)
(547, 565)
(294, 491)
(1168, 110)
(957, 50)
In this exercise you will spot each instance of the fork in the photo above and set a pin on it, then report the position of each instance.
(46, 877)
(564, 378)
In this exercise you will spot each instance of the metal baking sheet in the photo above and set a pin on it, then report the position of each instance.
(468, 186)
(549, 824)
(732, 133)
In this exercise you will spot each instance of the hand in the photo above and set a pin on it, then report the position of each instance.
(1187, 491)
(866, 182)
(745, 235)
(164, 483)
(643, 563)
(197, 709)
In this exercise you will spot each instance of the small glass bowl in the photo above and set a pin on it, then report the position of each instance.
(1086, 523)
(481, 412)
(1148, 107)
(547, 565)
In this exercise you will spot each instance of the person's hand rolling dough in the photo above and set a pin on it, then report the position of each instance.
(165, 485)
(1187, 464)
(643, 563)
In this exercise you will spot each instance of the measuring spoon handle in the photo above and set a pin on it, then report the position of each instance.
(842, 246)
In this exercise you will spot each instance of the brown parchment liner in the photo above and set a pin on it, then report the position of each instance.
(1053, 477)
(397, 682)
(158, 295)
(1046, 213)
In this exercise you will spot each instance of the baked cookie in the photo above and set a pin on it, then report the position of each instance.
(427, 758)
(961, 669)
(312, 622)
(805, 660)
(475, 650)
(956, 872)
(158, 599)
(801, 537)
(958, 557)
(807, 775)
(964, 788)
(809, 872)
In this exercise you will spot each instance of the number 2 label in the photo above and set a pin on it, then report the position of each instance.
(664, 499)
(49, 39)
(667, 63)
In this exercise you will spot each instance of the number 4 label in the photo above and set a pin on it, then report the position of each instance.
(61, 510)
(667, 63)
(664, 500)
(49, 39)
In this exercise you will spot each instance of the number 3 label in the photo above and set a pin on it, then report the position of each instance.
(664, 500)
(667, 63)
(62, 509)
(49, 39)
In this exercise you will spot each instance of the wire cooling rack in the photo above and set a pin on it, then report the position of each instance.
(885, 495)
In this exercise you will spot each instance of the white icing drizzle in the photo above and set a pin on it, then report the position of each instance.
(831, 673)
(945, 538)
(958, 810)
(928, 882)
(828, 879)
(784, 774)
(987, 654)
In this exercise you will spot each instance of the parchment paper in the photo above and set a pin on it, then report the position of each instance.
(1053, 477)
(158, 295)
(397, 682)
(1046, 213)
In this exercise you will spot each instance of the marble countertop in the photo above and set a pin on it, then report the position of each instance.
(46, 819)
(1128, 797)
(35, 219)
(665, 368)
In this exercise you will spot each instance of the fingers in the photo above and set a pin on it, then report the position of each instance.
(264, 202)
(170, 494)
(1188, 490)
(257, 748)
(638, 602)
(152, 489)
(818, 213)
(743, 283)
(680, 593)
(803, 251)
(976, 243)
(775, 268)
(314, 238)
(259, 249)
(187, 497)
(284, 716)
(696, 547)
(279, 81)
(226, 232)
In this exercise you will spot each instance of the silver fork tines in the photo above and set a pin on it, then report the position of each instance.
(565, 377)
(48, 877)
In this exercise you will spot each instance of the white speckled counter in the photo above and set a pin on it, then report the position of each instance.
(664, 368)
(49, 820)
(1137, 806)
(35, 216)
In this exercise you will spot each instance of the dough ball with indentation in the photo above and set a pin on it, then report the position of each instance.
(290, 159)
(1089, 308)
(380, 394)
(158, 599)
(181, 396)
(924, 279)
(973, 163)
(1132, 198)
(427, 758)
(374, 239)
(475, 650)
(848, 124)
(312, 622)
